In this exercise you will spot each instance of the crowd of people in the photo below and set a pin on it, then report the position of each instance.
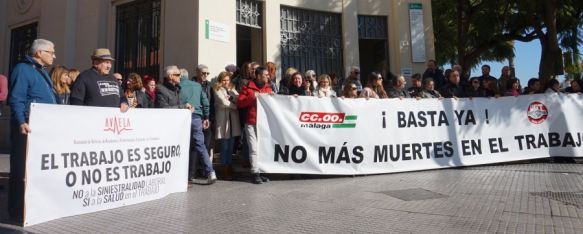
(223, 109)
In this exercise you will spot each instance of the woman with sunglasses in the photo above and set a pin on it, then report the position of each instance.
(374, 89)
(350, 91)
(474, 89)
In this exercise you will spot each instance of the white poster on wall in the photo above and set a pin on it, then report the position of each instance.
(86, 159)
(309, 135)
(417, 32)
(217, 31)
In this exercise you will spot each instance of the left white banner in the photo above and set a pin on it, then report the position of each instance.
(87, 159)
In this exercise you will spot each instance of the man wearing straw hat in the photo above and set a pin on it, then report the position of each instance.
(96, 86)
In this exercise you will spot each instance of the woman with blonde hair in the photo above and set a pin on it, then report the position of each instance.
(73, 73)
(61, 82)
(134, 94)
(227, 125)
(324, 87)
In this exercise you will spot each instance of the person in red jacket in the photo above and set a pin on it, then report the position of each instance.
(248, 99)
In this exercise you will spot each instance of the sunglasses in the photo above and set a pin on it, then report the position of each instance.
(205, 73)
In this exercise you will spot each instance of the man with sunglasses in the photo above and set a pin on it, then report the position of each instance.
(202, 77)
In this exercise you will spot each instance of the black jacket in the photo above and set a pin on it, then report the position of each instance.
(168, 96)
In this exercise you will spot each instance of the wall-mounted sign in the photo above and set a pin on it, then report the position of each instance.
(406, 71)
(417, 32)
(216, 31)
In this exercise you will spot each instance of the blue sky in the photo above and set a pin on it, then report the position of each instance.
(526, 62)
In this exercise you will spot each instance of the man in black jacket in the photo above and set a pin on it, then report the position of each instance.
(96, 86)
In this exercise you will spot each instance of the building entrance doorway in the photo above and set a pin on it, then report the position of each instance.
(249, 31)
(373, 49)
(249, 44)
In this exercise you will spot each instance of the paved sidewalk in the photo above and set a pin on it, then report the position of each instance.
(516, 198)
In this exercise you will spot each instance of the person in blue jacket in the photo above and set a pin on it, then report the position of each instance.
(29, 83)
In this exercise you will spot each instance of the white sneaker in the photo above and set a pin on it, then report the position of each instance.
(212, 178)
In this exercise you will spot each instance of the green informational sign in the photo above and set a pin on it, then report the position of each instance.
(206, 29)
(415, 6)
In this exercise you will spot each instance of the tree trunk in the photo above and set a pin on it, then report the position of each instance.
(463, 28)
(551, 60)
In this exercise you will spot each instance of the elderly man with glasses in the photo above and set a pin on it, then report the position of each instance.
(202, 77)
(179, 92)
(29, 82)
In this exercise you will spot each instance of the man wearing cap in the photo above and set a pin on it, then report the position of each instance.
(96, 86)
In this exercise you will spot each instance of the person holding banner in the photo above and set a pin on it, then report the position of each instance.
(29, 83)
(375, 88)
(295, 86)
(429, 89)
(248, 99)
(350, 90)
(453, 89)
(178, 91)
(398, 89)
(533, 86)
(324, 87)
(96, 86)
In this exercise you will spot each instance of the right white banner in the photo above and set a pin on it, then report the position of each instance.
(357, 136)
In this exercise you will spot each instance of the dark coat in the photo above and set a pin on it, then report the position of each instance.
(168, 96)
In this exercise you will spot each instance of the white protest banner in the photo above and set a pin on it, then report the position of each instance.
(357, 136)
(86, 159)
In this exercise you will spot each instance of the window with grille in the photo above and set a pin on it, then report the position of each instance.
(249, 13)
(372, 27)
(311, 40)
(138, 38)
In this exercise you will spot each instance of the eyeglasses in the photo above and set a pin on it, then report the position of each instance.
(205, 73)
(50, 52)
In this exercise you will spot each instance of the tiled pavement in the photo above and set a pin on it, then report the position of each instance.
(513, 198)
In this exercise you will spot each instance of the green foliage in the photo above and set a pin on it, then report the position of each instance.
(470, 32)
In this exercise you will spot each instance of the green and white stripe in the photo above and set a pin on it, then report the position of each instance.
(349, 122)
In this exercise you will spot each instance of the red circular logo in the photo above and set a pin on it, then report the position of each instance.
(537, 112)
